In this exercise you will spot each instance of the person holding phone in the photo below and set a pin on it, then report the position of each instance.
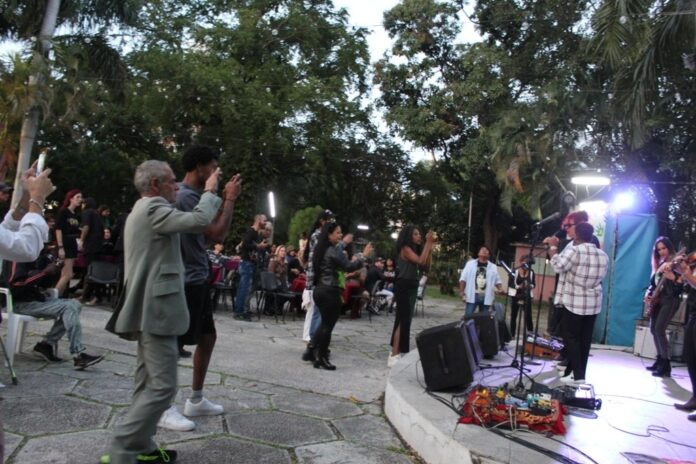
(411, 258)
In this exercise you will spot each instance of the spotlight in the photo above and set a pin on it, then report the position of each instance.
(622, 201)
(568, 199)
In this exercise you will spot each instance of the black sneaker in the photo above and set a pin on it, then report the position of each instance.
(84, 360)
(159, 456)
(45, 351)
(184, 353)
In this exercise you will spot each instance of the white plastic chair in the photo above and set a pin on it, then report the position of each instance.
(17, 326)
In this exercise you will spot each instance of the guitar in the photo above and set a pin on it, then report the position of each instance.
(653, 302)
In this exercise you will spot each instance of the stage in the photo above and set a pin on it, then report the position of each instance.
(636, 416)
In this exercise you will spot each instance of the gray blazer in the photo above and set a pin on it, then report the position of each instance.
(154, 301)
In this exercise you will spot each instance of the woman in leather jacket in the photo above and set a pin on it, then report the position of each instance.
(327, 260)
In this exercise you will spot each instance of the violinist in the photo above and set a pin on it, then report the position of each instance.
(689, 353)
(662, 301)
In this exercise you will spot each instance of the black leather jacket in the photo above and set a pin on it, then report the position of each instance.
(333, 261)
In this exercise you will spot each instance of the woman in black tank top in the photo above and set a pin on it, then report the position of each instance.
(410, 257)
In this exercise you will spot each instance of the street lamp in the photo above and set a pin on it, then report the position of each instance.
(271, 204)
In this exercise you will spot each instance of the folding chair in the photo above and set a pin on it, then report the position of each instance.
(271, 287)
(221, 289)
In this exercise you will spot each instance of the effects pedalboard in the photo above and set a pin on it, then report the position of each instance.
(580, 396)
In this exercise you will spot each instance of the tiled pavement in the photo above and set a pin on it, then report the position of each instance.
(278, 409)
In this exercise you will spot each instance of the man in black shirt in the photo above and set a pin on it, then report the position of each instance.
(252, 245)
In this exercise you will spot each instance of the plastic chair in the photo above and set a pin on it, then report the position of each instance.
(17, 326)
(105, 273)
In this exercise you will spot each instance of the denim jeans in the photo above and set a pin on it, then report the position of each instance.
(315, 322)
(246, 273)
(478, 302)
(67, 315)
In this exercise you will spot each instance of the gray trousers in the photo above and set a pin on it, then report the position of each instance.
(155, 388)
(67, 315)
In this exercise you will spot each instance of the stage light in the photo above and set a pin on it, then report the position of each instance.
(594, 208)
(623, 200)
(363, 227)
(590, 180)
(568, 199)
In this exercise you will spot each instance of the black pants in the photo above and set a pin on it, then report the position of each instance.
(328, 299)
(577, 336)
(405, 293)
(690, 350)
(659, 320)
(517, 303)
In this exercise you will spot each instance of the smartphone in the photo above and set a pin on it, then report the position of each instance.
(42, 163)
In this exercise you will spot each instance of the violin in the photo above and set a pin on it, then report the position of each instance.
(651, 305)
(689, 260)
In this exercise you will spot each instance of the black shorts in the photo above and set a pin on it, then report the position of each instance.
(70, 247)
(200, 313)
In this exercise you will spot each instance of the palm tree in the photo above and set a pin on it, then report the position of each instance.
(20, 22)
(635, 39)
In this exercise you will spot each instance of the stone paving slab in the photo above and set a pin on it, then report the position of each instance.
(368, 431)
(278, 409)
(69, 448)
(59, 414)
(312, 405)
(279, 428)
(223, 450)
(347, 453)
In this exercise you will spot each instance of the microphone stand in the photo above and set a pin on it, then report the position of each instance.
(538, 314)
(519, 365)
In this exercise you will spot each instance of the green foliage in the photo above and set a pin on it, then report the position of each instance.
(302, 221)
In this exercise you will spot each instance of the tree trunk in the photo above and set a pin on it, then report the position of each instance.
(30, 124)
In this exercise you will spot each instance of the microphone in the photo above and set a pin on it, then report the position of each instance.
(548, 219)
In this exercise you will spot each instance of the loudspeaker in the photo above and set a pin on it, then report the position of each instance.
(474, 345)
(446, 357)
(487, 331)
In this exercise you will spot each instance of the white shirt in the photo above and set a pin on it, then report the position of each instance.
(22, 240)
(468, 276)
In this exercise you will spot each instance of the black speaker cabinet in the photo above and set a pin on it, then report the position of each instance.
(487, 330)
(446, 357)
(474, 344)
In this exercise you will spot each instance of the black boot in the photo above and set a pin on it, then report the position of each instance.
(664, 369)
(655, 364)
(308, 354)
(322, 361)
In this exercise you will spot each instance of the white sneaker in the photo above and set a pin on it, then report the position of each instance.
(570, 380)
(173, 420)
(393, 359)
(202, 408)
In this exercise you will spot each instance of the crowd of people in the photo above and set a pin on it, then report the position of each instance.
(171, 247)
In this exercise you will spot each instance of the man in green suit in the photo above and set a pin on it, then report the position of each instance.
(154, 310)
